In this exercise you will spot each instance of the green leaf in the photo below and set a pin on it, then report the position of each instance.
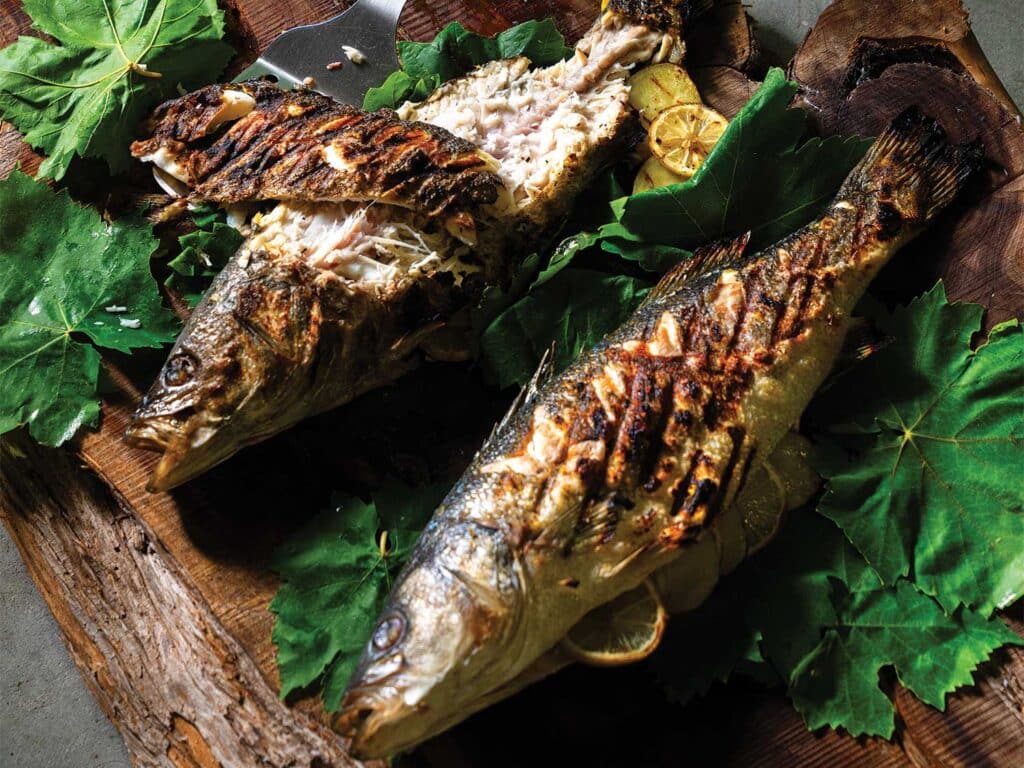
(756, 178)
(922, 435)
(398, 89)
(455, 51)
(61, 267)
(115, 60)
(574, 309)
(203, 254)
(933, 654)
(791, 586)
(812, 608)
(335, 577)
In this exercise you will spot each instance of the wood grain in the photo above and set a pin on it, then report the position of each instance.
(119, 566)
(723, 37)
(859, 67)
(177, 685)
(922, 30)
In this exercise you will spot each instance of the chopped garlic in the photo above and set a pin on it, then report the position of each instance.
(354, 54)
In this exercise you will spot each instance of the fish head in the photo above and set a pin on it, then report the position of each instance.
(449, 636)
(235, 375)
(195, 412)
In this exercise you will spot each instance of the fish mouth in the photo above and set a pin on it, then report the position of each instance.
(379, 722)
(379, 726)
(188, 449)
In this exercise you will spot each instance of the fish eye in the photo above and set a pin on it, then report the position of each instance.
(179, 370)
(388, 632)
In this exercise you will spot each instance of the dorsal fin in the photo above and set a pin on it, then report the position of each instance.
(712, 257)
(545, 368)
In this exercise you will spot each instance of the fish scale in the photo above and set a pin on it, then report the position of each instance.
(700, 384)
(385, 229)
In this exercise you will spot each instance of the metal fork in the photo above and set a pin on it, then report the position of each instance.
(315, 51)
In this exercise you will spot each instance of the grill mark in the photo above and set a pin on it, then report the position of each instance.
(657, 443)
(615, 435)
(858, 227)
(682, 485)
(706, 490)
(741, 317)
(813, 264)
(689, 329)
(272, 154)
(778, 312)
(710, 412)
(737, 435)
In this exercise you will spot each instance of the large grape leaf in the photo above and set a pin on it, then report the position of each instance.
(810, 611)
(114, 60)
(335, 575)
(933, 653)
(927, 436)
(67, 276)
(759, 178)
(575, 308)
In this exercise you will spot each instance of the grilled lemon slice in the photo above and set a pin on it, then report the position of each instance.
(683, 136)
(654, 174)
(658, 87)
(623, 631)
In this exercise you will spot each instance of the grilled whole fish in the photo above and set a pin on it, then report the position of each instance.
(615, 468)
(780, 485)
(385, 227)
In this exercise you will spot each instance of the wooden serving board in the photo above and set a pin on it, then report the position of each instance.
(163, 598)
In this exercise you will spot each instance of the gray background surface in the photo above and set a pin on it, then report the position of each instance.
(47, 717)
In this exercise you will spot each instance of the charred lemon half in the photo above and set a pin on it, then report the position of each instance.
(683, 136)
(656, 88)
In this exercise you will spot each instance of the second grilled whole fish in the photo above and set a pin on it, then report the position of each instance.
(616, 468)
(385, 226)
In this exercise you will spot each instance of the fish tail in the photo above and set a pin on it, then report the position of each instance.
(912, 171)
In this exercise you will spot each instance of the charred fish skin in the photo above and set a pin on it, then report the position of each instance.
(252, 141)
(387, 226)
(272, 341)
(614, 468)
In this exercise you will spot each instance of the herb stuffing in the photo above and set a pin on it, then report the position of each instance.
(204, 252)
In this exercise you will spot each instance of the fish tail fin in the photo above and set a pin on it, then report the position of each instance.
(912, 170)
